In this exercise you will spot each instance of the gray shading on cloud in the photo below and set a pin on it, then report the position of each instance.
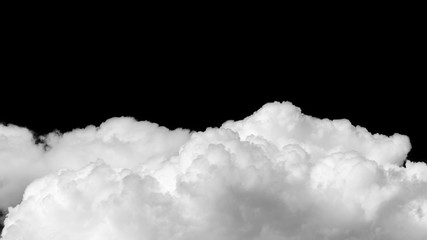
(277, 174)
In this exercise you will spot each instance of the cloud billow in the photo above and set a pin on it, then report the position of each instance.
(278, 174)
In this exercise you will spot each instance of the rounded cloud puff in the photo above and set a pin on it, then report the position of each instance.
(282, 123)
(277, 174)
(120, 142)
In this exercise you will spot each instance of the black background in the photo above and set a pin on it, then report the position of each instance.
(197, 72)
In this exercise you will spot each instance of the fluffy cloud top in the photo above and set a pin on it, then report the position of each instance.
(283, 124)
(277, 174)
(120, 142)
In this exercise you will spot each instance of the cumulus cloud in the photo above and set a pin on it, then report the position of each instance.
(120, 142)
(278, 174)
(20, 163)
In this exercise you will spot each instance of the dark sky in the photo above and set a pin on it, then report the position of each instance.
(200, 76)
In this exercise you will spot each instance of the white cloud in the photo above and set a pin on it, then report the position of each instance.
(284, 123)
(120, 142)
(277, 174)
(20, 163)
